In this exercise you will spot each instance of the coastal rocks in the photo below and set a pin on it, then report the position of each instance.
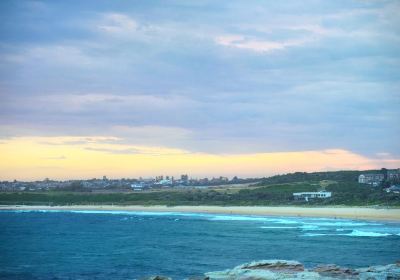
(275, 265)
(380, 272)
(335, 271)
(158, 277)
(266, 269)
(282, 269)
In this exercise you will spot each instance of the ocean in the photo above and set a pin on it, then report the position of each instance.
(132, 245)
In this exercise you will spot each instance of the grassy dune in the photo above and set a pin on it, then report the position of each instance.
(349, 194)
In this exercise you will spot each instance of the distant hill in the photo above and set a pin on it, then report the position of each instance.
(275, 190)
(338, 176)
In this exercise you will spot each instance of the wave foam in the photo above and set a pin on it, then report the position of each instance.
(367, 233)
(278, 227)
(310, 227)
(341, 224)
(354, 233)
(316, 234)
(237, 218)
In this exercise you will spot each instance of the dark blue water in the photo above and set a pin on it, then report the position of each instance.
(121, 245)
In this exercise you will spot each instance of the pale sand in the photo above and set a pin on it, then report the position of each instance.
(392, 214)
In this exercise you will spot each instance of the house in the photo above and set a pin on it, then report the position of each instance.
(393, 175)
(311, 195)
(372, 179)
(393, 189)
(164, 182)
(137, 187)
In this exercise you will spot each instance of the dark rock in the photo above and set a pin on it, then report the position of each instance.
(281, 269)
(276, 265)
(332, 270)
(157, 277)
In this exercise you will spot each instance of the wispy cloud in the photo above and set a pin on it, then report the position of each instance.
(117, 24)
(53, 55)
(55, 158)
(241, 42)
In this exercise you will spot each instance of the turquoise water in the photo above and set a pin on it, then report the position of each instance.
(128, 245)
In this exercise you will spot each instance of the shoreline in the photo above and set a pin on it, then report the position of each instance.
(361, 213)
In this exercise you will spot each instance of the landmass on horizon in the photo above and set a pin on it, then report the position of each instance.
(379, 188)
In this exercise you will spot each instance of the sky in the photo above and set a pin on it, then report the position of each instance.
(207, 88)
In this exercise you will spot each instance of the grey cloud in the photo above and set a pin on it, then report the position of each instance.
(166, 71)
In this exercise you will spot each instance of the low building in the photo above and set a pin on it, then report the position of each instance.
(374, 179)
(164, 182)
(393, 189)
(137, 187)
(311, 195)
(393, 175)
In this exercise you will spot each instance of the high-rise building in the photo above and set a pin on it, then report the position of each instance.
(184, 177)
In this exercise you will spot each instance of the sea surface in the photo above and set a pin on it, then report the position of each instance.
(131, 245)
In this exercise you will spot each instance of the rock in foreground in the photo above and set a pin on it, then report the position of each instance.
(282, 269)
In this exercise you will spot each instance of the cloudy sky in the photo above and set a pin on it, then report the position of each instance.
(247, 88)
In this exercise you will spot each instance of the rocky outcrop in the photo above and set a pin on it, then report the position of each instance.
(158, 277)
(334, 271)
(282, 269)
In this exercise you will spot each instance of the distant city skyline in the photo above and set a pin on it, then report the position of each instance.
(207, 88)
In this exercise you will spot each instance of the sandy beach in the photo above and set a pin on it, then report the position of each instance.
(329, 212)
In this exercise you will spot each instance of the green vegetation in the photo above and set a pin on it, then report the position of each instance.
(276, 190)
(344, 193)
(337, 176)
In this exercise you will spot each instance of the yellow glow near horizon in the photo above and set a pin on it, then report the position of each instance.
(35, 158)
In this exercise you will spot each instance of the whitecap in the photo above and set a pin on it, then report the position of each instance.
(283, 221)
(310, 227)
(341, 224)
(278, 227)
(366, 234)
(237, 218)
(316, 234)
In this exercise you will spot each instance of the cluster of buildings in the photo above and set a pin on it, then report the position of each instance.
(183, 181)
(377, 179)
(106, 184)
(390, 178)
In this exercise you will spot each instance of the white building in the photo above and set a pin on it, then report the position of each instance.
(137, 187)
(311, 195)
(371, 179)
(164, 182)
(393, 189)
(393, 175)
